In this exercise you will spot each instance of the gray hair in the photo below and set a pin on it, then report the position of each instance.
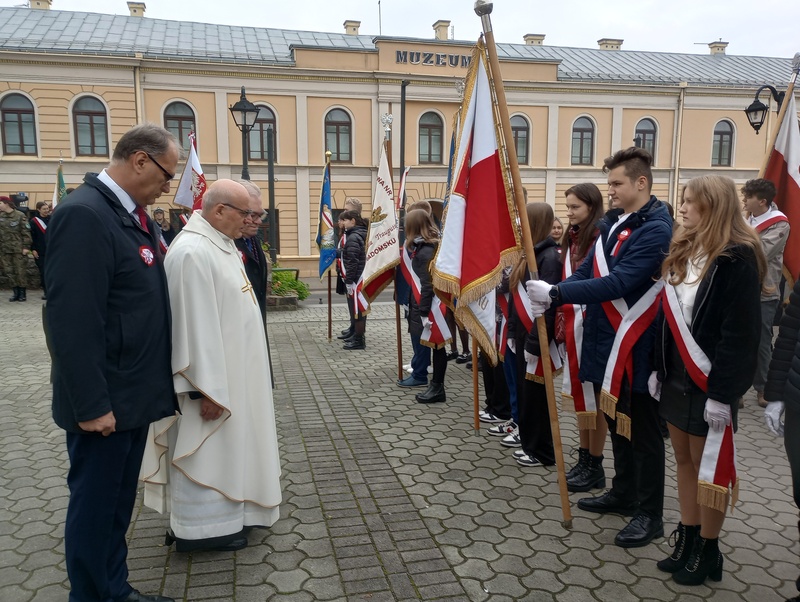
(251, 188)
(213, 197)
(148, 137)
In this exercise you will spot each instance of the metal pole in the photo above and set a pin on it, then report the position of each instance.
(273, 226)
(245, 170)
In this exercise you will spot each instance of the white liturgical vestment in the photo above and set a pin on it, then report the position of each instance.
(214, 477)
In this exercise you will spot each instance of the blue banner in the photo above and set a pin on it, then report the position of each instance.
(325, 242)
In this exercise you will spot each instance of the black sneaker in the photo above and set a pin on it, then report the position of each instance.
(463, 358)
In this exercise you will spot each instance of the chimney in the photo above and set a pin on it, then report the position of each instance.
(533, 39)
(137, 9)
(718, 47)
(609, 43)
(441, 28)
(41, 4)
(351, 27)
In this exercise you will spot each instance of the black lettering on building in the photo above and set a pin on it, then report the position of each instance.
(465, 60)
(441, 60)
(414, 58)
(453, 60)
(427, 58)
(401, 56)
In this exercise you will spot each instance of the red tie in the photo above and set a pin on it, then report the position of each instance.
(142, 215)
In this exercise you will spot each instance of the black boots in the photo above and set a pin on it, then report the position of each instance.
(23, 293)
(433, 394)
(583, 459)
(15, 295)
(591, 476)
(354, 343)
(347, 333)
(705, 561)
(684, 541)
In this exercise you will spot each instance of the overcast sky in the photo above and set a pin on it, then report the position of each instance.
(752, 27)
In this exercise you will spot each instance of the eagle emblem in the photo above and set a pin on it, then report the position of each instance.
(377, 216)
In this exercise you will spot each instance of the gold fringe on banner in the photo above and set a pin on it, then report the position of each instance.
(712, 496)
(608, 403)
(435, 346)
(624, 425)
(540, 379)
(587, 420)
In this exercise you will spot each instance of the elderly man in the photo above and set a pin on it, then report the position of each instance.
(109, 321)
(217, 462)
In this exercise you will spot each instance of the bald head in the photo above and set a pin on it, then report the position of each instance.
(226, 206)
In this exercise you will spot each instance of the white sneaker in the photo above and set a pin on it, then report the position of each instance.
(512, 440)
(430, 369)
(502, 429)
(407, 367)
(485, 416)
(518, 454)
(526, 460)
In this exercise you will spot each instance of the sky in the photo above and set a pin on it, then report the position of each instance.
(753, 28)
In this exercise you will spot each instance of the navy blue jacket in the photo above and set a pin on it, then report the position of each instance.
(108, 314)
(783, 380)
(632, 272)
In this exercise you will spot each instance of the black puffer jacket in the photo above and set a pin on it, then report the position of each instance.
(725, 324)
(422, 254)
(353, 255)
(783, 379)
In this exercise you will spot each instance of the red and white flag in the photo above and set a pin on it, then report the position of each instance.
(192, 186)
(479, 237)
(383, 244)
(401, 201)
(783, 170)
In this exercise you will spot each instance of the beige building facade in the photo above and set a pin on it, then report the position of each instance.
(71, 100)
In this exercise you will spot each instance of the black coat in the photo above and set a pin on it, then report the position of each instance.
(422, 254)
(783, 379)
(353, 255)
(726, 324)
(39, 238)
(108, 313)
(255, 266)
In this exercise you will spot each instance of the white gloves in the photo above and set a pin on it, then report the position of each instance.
(529, 357)
(351, 288)
(654, 386)
(426, 322)
(773, 415)
(717, 415)
(539, 294)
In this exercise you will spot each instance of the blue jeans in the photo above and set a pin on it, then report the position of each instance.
(510, 370)
(421, 359)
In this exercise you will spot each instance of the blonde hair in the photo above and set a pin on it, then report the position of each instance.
(355, 205)
(721, 226)
(540, 219)
(419, 223)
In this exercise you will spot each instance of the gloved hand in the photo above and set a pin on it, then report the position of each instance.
(654, 386)
(512, 345)
(717, 415)
(539, 292)
(773, 415)
(529, 357)
(538, 309)
(426, 322)
(351, 288)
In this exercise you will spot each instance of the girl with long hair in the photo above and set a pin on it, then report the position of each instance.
(353, 260)
(707, 350)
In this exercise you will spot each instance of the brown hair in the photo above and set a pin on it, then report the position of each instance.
(423, 204)
(637, 161)
(419, 223)
(590, 195)
(540, 219)
(721, 226)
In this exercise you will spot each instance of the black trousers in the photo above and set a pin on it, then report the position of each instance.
(791, 442)
(102, 481)
(639, 462)
(439, 365)
(534, 415)
(495, 387)
(40, 264)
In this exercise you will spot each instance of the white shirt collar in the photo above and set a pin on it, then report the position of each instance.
(124, 197)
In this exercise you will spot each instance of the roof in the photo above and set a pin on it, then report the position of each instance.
(28, 30)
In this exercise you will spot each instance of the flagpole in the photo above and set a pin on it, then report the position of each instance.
(781, 114)
(483, 8)
(330, 298)
(475, 404)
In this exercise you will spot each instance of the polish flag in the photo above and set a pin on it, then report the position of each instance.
(783, 170)
(479, 234)
(192, 186)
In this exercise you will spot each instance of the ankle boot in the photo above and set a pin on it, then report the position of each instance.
(357, 342)
(593, 476)
(15, 294)
(684, 536)
(346, 334)
(23, 294)
(433, 394)
(705, 561)
(583, 460)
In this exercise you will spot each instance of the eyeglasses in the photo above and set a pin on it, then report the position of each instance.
(170, 176)
(245, 213)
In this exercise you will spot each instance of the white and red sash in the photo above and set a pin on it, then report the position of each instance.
(41, 224)
(184, 218)
(629, 324)
(162, 242)
(768, 219)
(581, 393)
(502, 332)
(535, 368)
(436, 334)
(522, 305)
(717, 476)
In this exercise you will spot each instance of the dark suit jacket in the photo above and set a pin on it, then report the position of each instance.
(256, 269)
(108, 313)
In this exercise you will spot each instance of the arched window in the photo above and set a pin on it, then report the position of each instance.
(258, 135)
(91, 127)
(722, 147)
(338, 135)
(179, 119)
(520, 131)
(645, 136)
(431, 132)
(19, 125)
(583, 142)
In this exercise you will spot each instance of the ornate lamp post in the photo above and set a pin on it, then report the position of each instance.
(244, 115)
(757, 111)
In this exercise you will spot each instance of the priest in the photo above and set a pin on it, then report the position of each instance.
(215, 466)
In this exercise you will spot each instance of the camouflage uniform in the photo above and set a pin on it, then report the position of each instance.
(15, 235)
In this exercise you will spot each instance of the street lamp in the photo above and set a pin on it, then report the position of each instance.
(244, 115)
(757, 111)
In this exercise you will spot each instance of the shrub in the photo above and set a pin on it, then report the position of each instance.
(284, 283)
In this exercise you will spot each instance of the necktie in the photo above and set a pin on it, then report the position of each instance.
(142, 215)
(251, 243)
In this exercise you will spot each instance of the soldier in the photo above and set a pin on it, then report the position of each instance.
(15, 242)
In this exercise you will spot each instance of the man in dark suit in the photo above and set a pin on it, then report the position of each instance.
(253, 256)
(109, 317)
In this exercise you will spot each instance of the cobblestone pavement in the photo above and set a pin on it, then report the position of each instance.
(383, 499)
